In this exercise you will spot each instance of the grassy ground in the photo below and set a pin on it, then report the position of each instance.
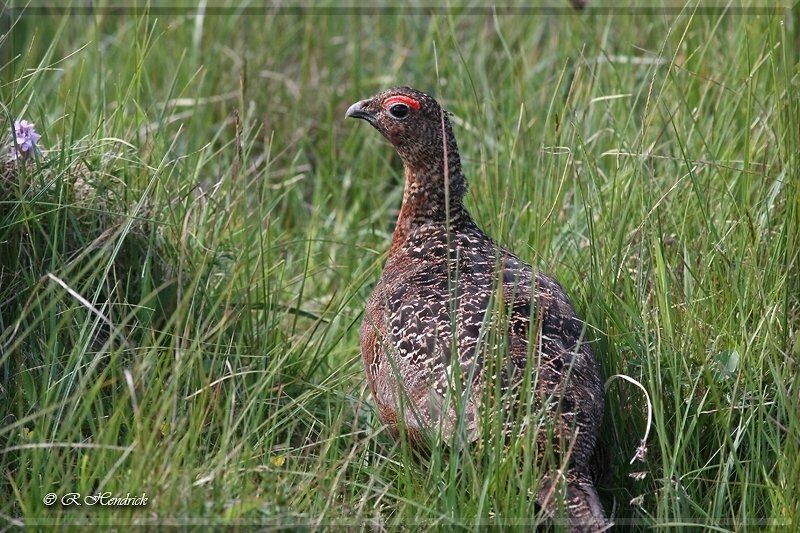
(183, 271)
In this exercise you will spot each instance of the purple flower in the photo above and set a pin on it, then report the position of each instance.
(26, 139)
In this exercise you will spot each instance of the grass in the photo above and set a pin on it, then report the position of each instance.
(183, 271)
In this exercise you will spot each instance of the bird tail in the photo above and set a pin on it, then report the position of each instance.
(584, 511)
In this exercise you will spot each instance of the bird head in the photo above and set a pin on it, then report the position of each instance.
(412, 121)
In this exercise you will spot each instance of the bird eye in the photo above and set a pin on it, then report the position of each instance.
(399, 110)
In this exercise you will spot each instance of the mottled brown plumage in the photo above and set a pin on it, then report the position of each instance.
(428, 318)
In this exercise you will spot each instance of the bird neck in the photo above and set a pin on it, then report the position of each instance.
(433, 194)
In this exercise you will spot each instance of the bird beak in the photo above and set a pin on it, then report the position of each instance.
(357, 111)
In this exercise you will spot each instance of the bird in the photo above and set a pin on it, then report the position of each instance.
(425, 325)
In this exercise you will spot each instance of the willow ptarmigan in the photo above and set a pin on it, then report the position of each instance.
(428, 317)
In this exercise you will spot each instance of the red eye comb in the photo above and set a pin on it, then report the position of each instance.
(400, 99)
